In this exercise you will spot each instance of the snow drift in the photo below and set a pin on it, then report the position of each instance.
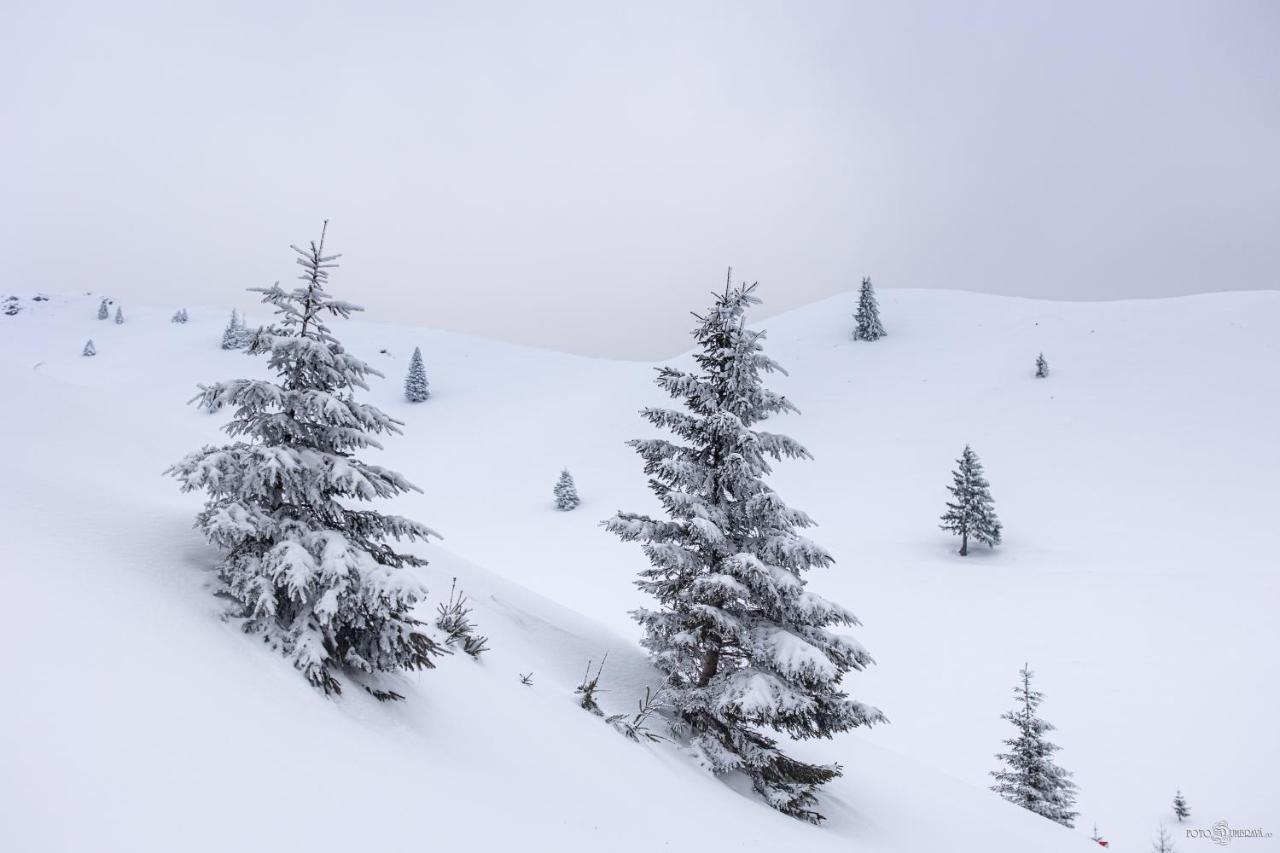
(1137, 485)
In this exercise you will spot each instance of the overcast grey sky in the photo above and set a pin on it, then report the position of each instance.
(578, 175)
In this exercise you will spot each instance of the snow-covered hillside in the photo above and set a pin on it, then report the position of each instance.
(1138, 486)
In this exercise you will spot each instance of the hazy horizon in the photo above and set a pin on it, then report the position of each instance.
(580, 175)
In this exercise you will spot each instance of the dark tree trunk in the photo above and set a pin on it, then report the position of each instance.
(710, 663)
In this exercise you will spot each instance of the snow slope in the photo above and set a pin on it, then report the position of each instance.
(1138, 486)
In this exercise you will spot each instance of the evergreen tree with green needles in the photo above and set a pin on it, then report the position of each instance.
(1042, 367)
(416, 387)
(867, 319)
(566, 492)
(312, 574)
(1180, 806)
(1030, 778)
(745, 645)
(971, 512)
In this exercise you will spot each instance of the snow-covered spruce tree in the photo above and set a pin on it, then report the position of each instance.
(179, 316)
(1180, 809)
(1030, 778)
(868, 327)
(566, 492)
(234, 336)
(744, 644)
(416, 388)
(89, 348)
(314, 576)
(119, 316)
(1162, 843)
(972, 512)
(103, 311)
(1042, 367)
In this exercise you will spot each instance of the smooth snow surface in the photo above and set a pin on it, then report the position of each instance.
(1138, 486)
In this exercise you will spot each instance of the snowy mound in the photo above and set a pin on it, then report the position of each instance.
(1137, 485)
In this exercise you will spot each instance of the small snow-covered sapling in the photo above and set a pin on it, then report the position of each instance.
(1042, 367)
(416, 387)
(867, 318)
(589, 686)
(566, 492)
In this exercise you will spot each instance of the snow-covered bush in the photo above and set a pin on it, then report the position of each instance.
(179, 316)
(103, 311)
(119, 316)
(89, 348)
(1042, 367)
(311, 574)
(744, 644)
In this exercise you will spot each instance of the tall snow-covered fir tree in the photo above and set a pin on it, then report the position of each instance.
(235, 335)
(868, 327)
(119, 316)
(745, 645)
(566, 492)
(313, 575)
(103, 311)
(1030, 778)
(89, 348)
(1180, 809)
(1042, 367)
(416, 387)
(972, 512)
